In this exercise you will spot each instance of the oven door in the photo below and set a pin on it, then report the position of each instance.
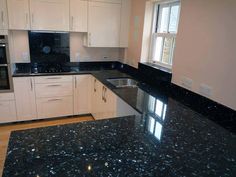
(5, 79)
(3, 53)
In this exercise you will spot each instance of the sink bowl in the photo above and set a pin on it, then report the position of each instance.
(123, 82)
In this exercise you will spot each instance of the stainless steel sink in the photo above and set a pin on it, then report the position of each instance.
(123, 82)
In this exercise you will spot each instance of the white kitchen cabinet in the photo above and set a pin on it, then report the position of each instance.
(54, 96)
(19, 46)
(54, 107)
(78, 16)
(123, 109)
(4, 16)
(25, 98)
(125, 23)
(82, 94)
(103, 101)
(18, 14)
(103, 25)
(7, 108)
(49, 15)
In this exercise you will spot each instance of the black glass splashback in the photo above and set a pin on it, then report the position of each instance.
(49, 47)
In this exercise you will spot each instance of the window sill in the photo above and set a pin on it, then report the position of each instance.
(158, 67)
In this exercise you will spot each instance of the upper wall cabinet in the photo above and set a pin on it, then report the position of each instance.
(78, 16)
(49, 15)
(18, 14)
(104, 24)
(3, 13)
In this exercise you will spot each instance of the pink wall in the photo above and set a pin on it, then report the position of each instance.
(133, 53)
(206, 48)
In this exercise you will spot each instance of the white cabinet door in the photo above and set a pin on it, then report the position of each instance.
(104, 24)
(97, 104)
(25, 98)
(82, 94)
(78, 16)
(3, 13)
(54, 107)
(19, 46)
(49, 15)
(18, 14)
(7, 111)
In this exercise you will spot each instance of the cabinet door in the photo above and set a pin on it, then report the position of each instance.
(54, 107)
(49, 15)
(25, 98)
(97, 104)
(3, 13)
(82, 94)
(19, 46)
(8, 111)
(104, 24)
(78, 16)
(109, 104)
(18, 14)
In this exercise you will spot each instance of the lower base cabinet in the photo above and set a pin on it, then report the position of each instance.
(7, 111)
(54, 107)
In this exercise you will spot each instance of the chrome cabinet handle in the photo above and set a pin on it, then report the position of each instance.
(54, 100)
(56, 85)
(89, 39)
(53, 78)
(31, 84)
(32, 18)
(26, 20)
(2, 17)
(94, 87)
(72, 23)
(105, 91)
(75, 82)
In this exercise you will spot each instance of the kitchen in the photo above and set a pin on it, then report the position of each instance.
(117, 88)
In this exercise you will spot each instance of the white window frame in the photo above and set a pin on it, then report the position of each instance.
(156, 26)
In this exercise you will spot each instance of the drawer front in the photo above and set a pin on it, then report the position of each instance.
(53, 79)
(54, 107)
(54, 89)
(7, 96)
(7, 111)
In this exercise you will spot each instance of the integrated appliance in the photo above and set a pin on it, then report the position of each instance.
(5, 70)
(49, 47)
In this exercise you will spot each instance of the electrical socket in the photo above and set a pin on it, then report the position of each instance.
(205, 90)
(187, 83)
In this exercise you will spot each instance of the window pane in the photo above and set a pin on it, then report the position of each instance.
(159, 108)
(167, 50)
(158, 130)
(151, 104)
(151, 124)
(158, 49)
(164, 19)
(174, 19)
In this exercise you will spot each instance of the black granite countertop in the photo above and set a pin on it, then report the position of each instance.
(168, 139)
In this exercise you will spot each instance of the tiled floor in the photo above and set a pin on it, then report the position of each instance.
(5, 131)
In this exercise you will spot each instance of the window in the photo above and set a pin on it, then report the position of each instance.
(165, 27)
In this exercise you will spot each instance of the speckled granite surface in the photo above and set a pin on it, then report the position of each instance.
(177, 143)
(169, 139)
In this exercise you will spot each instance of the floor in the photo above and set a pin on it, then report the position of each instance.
(5, 131)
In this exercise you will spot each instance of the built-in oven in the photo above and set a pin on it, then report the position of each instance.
(5, 69)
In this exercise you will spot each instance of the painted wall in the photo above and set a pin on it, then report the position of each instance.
(206, 49)
(133, 53)
(19, 49)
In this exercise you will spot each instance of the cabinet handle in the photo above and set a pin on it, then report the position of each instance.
(105, 91)
(32, 18)
(54, 100)
(94, 87)
(2, 17)
(26, 20)
(89, 39)
(53, 78)
(75, 82)
(31, 84)
(56, 85)
(72, 23)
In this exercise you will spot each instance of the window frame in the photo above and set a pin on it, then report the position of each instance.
(155, 34)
